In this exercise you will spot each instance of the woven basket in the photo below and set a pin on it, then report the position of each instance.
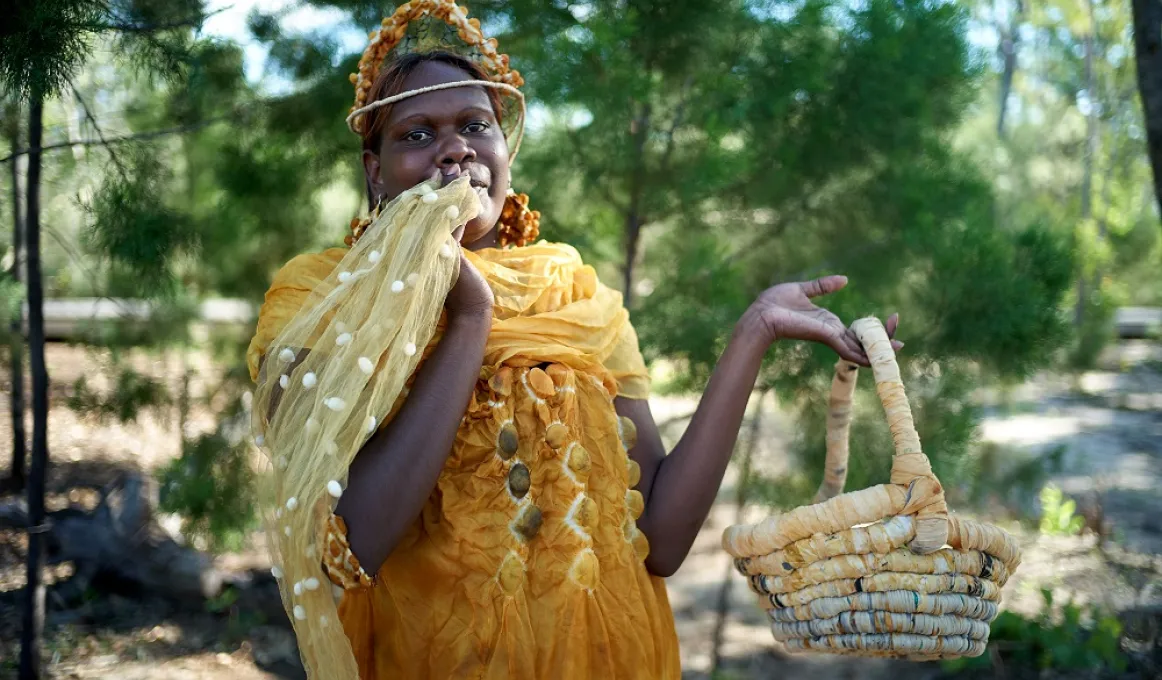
(884, 571)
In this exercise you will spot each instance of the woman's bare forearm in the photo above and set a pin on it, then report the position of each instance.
(684, 484)
(394, 474)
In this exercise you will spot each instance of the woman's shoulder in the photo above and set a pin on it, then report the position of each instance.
(307, 269)
(549, 250)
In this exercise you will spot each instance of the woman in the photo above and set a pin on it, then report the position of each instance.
(516, 514)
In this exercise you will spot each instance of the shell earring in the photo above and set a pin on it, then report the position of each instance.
(360, 224)
(518, 226)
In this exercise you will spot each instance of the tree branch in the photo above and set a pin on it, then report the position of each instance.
(116, 140)
(100, 134)
(679, 114)
(130, 26)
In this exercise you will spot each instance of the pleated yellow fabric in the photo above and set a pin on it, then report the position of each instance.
(526, 561)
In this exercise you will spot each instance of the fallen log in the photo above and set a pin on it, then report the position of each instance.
(119, 546)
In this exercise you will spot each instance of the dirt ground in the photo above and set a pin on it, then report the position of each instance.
(1108, 421)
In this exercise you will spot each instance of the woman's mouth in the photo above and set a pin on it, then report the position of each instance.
(452, 174)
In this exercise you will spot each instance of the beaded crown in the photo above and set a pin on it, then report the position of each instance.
(438, 25)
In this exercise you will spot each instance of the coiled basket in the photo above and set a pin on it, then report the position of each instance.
(883, 571)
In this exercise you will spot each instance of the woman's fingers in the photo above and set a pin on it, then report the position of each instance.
(847, 346)
(823, 286)
(891, 326)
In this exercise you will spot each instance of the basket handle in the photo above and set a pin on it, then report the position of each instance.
(910, 467)
(839, 409)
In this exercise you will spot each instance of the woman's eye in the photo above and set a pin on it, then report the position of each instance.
(416, 136)
(476, 127)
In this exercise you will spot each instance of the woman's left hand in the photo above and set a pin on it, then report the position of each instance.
(785, 311)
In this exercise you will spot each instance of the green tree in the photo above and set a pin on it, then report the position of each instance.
(42, 46)
(11, 300)
(779, 144)
(1073, 158)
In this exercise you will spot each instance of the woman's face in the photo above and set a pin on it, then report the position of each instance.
(443, 135)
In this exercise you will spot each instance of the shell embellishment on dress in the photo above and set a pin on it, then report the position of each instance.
(528, 522)
(627, 431)
(507, 441)
(635, 473)
(519, 480)
(556, 435)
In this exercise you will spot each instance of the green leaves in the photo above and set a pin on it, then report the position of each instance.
(212, 486)
(994, 298)
(135, 226)
(1073, 638)
(43, 43)
(129, 395)
(1057, 513)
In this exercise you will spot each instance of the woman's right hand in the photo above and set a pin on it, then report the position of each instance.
(470, 295)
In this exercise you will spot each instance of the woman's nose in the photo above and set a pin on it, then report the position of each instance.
(456, 151)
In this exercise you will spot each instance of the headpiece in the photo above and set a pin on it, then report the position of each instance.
(440, 25)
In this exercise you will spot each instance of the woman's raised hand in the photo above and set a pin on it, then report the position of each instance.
(470, 295)
(786, 311)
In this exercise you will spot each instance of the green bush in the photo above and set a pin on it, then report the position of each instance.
(130, 394)
(211, 485)
(1079, 638)
(1096, 330)
(1057, 513)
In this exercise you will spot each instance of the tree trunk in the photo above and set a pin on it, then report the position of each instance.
(633, 232)
(633, 217)
(1088, 159)
(16, 477)
(34, 590)
(1008, 49)
(1148, 53)
(119, 546)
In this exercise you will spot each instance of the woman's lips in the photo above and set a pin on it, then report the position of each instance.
(480, 184)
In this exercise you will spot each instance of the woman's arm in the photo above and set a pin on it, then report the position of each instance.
(680, 488)
(394, 473)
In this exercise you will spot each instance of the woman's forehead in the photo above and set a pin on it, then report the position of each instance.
(449, 102)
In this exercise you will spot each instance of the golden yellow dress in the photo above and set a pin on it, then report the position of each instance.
(526, 561)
